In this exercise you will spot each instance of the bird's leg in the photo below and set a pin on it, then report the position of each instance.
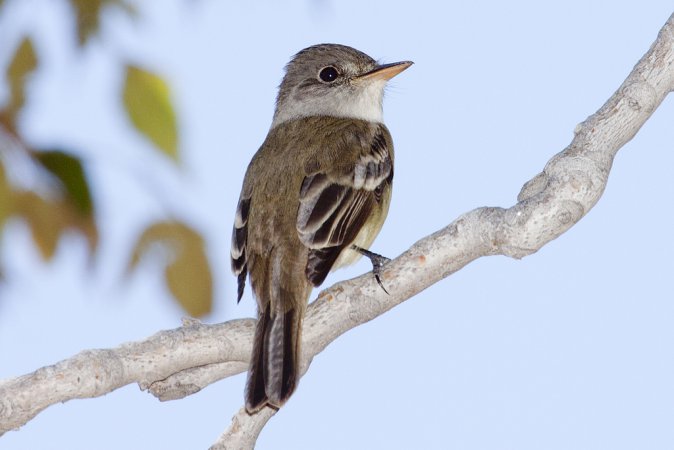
(377, 261)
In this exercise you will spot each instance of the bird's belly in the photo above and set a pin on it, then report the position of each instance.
(363, 240)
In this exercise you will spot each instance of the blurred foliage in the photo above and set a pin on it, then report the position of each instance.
(23, 63)
(64, 202)
(70, 174)
(88, 14)
(50, 218)
(5, 193)
(188, 274)
(147, 100)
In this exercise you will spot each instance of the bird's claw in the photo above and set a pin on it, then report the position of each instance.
(378, 261)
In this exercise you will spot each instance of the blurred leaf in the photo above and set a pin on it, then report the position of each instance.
(188, 272)
(68, 169)
(88, 14)
(49, 218)
(189, 279)
(147, 101)
(22, 64)
(45, 219)
(5, 192)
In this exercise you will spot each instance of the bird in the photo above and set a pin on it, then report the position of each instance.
(314, 197)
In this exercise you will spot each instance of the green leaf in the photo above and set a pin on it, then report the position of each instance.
(49, 217)
(188, 272)
(22, 64)
(68, 170)
(147, 100)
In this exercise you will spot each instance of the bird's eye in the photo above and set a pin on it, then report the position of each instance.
(328, 74)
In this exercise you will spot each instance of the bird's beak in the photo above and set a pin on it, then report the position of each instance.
(385, 71)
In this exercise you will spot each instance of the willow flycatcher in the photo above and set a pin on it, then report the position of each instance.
(315, 194)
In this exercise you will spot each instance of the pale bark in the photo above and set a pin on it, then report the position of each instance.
(176, 363)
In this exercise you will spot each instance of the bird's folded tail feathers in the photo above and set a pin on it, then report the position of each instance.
(274, 368)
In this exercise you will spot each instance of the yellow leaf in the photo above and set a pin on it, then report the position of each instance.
(188, 272)
(147, 100)
(189, 279)
(49, 218)
(45, 220)
(23, 63)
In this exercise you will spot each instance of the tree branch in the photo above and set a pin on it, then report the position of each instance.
(93, 373)
(176, 363)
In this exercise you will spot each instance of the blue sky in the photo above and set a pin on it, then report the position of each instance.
(568, 348)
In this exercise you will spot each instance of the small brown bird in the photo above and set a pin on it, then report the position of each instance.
(315, 195)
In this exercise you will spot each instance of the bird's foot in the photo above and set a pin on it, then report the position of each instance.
(378, 262)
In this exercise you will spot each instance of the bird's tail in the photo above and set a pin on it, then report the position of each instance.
(274, 364)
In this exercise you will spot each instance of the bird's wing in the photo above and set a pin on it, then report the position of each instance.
(336, 203)
(239, 240)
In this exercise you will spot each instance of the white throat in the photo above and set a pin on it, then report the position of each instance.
(362, 102)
